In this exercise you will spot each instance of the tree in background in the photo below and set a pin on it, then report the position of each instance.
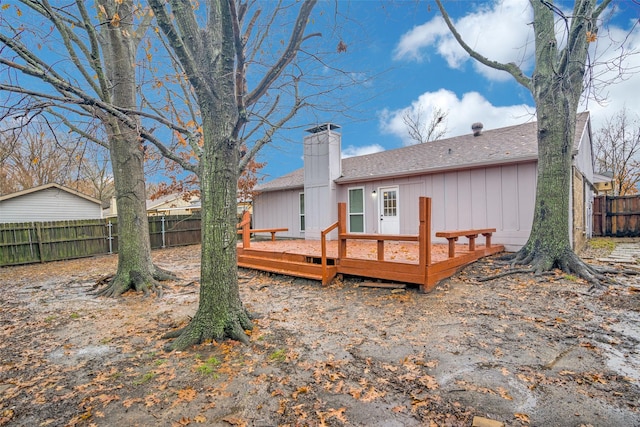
(34, 155)
(617, 150)
(556, 84)
(422, 132)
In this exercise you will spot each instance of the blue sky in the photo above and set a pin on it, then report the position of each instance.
(415, 64)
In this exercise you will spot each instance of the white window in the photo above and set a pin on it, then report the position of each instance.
(302, 226)
(356, 210)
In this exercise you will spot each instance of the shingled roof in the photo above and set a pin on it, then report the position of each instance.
(512, 144)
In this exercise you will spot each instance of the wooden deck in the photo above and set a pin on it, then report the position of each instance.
(399, 258)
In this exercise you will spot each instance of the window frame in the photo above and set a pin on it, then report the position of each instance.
(301, 215)
(351, 214)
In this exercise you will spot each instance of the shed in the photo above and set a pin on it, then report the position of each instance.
(49, 202)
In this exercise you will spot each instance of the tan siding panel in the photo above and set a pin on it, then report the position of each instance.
(510, 197)
(478, 183)
(465, 204)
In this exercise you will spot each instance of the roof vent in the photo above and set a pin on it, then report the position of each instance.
(477, 128)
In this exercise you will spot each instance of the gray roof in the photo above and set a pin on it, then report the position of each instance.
(512, 144)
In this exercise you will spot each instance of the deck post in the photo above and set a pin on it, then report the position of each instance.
(323, 256)
(246, 234)
(424, 231)
(424, 239)
(342, 229)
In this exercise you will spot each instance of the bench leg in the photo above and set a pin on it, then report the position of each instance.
(472, 243)
(452, 246)
(487, 236)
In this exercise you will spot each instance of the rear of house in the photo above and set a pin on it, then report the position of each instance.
(481, 180)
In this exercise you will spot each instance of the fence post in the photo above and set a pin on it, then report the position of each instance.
(162, 228)
(39, 237)
(110, 238)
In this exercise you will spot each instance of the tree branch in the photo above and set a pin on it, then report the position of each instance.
(510, 68)
(297, 37)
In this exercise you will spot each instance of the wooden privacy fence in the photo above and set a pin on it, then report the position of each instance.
(617, 216)
(30, 242)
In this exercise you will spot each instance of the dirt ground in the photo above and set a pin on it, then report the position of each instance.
(521, 350)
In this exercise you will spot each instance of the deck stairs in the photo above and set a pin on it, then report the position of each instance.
(298, 265)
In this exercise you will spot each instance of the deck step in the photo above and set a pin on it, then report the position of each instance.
(305, 270)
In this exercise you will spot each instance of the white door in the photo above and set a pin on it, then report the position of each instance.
(388, 210)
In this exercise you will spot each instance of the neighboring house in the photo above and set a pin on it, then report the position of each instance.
(172, 204)
(480, 180)
(50, 202)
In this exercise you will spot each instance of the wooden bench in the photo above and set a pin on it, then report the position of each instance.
(452, 237)
(273, 231)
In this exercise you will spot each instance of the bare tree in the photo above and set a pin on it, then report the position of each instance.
(37, 154)
(78, 65)
(617, 150)
(212, 49)
(422, 132)
(556, 84)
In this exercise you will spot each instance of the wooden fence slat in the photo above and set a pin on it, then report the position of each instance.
(617, 216)
(26, 243)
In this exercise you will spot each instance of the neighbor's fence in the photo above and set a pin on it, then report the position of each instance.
(30, 242)
(617, 216)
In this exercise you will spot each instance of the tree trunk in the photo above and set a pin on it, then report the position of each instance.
(549, 243)
(557, 85)
(135, 266)
(220, 314)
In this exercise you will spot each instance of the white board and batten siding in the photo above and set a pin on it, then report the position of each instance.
(49, 204)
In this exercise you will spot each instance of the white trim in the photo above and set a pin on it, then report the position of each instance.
(380, 201)
(363, 213)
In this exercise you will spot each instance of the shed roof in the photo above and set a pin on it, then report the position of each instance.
(512, 144)
(46, 187)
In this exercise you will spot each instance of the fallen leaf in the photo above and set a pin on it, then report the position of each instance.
(504, 393)
(337, 414)
(186, 394)
(300, 390)
(235, 421)
(184, 421)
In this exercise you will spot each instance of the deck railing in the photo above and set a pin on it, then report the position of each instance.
(323, 249)
(423, 237)
(244, 228)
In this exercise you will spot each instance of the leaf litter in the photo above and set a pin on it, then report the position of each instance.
(521, 350)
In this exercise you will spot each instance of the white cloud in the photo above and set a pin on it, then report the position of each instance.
(462, 112)
(353, 151)
(500, 32)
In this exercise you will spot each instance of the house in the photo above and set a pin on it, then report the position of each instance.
(486, 179)
(50, 202)
(171, 204)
